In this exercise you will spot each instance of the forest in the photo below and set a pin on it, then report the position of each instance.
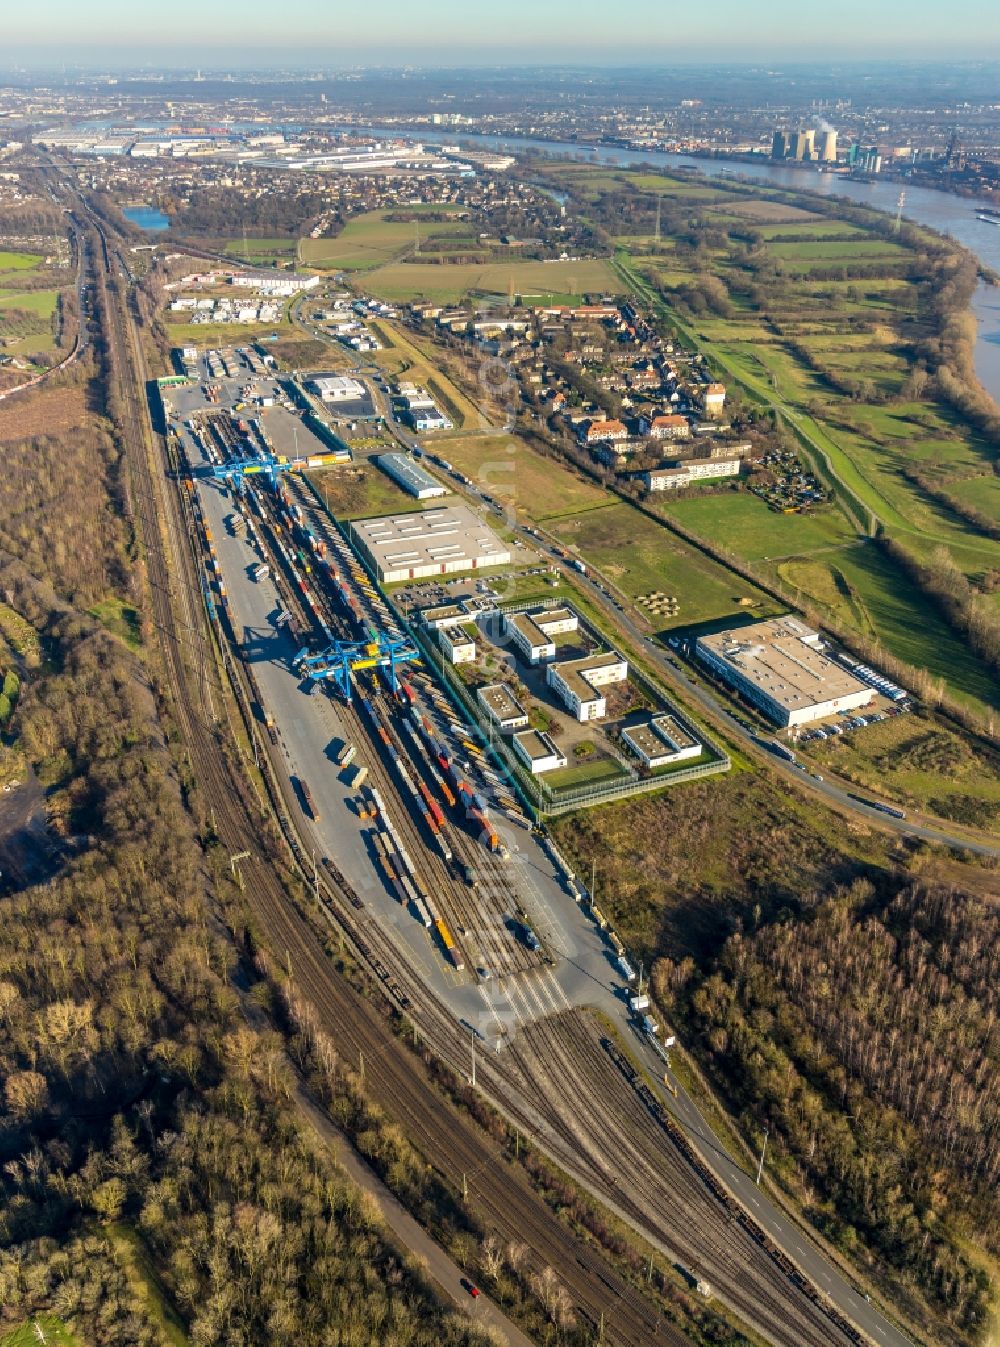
(867, 1035)
(137, 1101)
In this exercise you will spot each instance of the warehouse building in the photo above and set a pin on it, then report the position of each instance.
(274, 282)
(428, 542)
(779, 666)
(410, 476)
(532, 633)
(336, 388)
(502, 707)
(538, 752)
(661, 741)
(576, 681)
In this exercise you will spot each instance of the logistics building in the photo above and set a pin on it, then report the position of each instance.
(661, 741)
(779, 666)
(274, 282)
(428, 542)
(576, 682)
(336, 388)
(538, 752)
(502, 707)
(410, 476)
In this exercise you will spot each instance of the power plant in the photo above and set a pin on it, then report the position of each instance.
(806, 145)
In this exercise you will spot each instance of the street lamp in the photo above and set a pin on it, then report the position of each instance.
(763, 1150)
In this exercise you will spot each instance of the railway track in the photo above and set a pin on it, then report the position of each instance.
(395, 1078)
(708, 1242)
(695, 1225)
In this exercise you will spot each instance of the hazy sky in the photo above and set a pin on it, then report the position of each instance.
(429, 32)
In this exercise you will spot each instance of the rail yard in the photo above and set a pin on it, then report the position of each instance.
(418, 856)
(429, 863)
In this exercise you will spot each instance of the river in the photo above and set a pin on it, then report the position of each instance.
(952, 215)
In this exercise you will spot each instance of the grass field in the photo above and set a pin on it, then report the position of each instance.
(39, 302)
(144, 1280)
(640, 557)
(517, 475)
(851, 248)
(370, 240)
(448, 282)
(262, 250)
(744, 525)
(920, 764)
(583, 774)
(218, 334)
(10, 261)
(120, 619)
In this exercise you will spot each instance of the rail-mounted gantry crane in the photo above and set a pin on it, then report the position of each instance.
(341, 659)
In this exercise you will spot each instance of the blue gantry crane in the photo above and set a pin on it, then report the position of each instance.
(270, 465)
(343, 658)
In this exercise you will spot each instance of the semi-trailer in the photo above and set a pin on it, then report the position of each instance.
(308, 801)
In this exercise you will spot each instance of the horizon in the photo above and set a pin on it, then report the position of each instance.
(443, 33)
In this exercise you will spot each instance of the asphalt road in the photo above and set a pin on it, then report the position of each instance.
(587, 982)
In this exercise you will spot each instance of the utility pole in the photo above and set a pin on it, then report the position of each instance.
(234, 866)
(901, 202)
(763, 1150)
(315, 878)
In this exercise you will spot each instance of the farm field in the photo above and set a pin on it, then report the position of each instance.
(743, 524)
(42, 303)
(370, 240)
(448, 282)
(17, 261)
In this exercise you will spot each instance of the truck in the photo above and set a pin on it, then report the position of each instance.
(261, 572)
(530, 939)
(346, 755)
(625, 968)
(236, 523)
(308, 801)
(579, 566)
